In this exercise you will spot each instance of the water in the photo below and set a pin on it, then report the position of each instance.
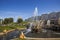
(29, 29)
(35, 14)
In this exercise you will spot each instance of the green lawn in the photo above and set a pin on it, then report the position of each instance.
(5, 27)
(10, 27)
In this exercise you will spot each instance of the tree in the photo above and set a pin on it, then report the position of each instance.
(8, 20)
(19, 20)
(5, 21)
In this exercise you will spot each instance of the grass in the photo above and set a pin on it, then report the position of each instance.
(10, 27)
(5, 27)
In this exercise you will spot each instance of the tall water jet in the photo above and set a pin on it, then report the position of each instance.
(36, 17)
(35, 14)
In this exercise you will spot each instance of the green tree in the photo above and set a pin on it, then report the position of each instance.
(19, 20)
(5, 21)
(8, 20)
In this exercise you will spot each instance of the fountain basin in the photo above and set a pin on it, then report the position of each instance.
(48, 34)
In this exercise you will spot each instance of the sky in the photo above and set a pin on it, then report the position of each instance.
(25, 8)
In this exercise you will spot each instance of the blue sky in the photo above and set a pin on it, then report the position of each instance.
(25, 8)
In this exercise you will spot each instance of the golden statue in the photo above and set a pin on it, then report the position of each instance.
(22, 36)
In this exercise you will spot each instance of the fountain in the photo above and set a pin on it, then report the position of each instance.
(35, 26)
(36, 29)
(36, 22)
